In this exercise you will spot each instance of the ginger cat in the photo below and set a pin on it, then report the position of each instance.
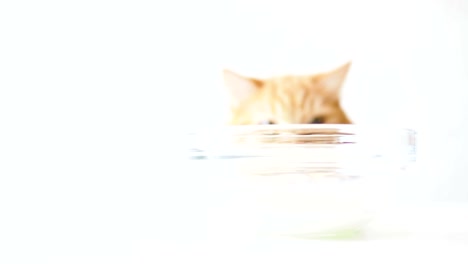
(289, 99)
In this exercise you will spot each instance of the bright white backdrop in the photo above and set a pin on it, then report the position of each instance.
(90, 92)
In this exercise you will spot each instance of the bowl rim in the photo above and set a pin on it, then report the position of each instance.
(339, 129)
(383, 140)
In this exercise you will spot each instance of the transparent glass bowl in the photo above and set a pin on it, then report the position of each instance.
(315, 181)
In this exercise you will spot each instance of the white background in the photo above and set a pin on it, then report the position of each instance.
(91, 91)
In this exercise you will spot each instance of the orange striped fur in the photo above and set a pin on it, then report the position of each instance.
(289, 99)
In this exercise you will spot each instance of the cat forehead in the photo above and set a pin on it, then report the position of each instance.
(296, 90)
(289, 82)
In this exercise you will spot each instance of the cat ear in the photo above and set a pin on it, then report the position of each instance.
(240, 87)
(333, 80)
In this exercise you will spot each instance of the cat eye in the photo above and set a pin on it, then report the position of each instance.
(318, 120)
(266, 122)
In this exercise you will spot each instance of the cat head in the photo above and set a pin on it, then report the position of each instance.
(289, 99)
